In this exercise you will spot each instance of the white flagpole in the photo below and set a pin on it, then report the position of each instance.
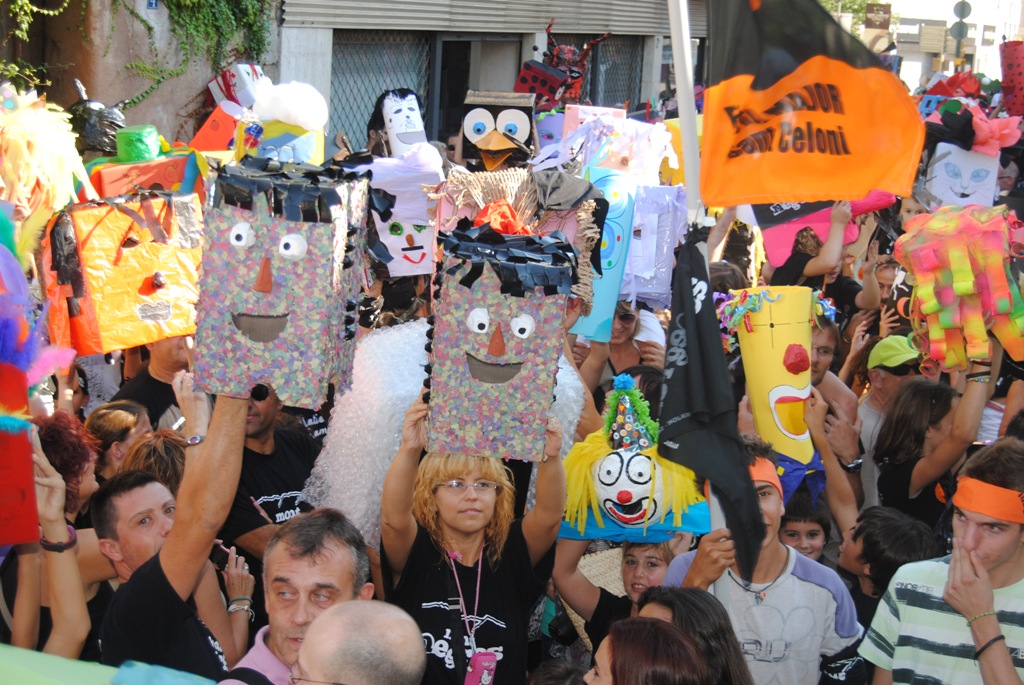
(679, 24)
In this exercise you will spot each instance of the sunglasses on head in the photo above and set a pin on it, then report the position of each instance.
(902, 369)
(259, 392)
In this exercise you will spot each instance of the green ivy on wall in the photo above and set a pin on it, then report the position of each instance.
(20, 14)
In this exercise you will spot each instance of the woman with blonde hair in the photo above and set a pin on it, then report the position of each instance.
(448, 530)
(161, 453)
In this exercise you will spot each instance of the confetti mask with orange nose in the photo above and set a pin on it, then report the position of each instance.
(496, 337)
(266, 308)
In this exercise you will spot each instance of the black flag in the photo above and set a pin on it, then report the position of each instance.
(698, 412)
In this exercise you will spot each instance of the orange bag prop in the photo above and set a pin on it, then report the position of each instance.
(123, 272)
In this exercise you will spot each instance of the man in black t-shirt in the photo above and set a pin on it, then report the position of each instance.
(275, 466)
(159, 550)
(151, 386)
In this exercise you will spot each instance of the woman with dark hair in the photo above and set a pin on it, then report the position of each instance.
(115, 426)
(811, 259)
(72, 453)
(648, 651)
(702, 617)
(924, 438)
(448, 527)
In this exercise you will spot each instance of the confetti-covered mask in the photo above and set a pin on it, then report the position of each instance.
(496, 340)
(266, 307)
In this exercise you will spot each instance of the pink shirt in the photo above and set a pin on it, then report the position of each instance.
(261, 659)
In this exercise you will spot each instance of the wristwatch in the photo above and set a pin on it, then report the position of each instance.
(853, 466)
(194, 440)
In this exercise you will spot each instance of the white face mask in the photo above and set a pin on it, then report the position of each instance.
(622, 481)
(961, 177)
(403, 123)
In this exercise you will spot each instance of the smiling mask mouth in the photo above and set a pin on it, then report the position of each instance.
(633, 513)
(486, 372)
(260, 328)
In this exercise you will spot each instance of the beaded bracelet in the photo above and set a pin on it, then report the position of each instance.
(974, 618)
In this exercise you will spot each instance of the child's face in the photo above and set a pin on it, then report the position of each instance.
(850, 553)
(805, 537)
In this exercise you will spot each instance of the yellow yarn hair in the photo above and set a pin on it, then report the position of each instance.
(679, 483)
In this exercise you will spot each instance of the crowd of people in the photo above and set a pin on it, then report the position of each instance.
(175, 529)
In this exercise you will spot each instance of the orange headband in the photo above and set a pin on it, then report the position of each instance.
(989, 500)
(764, 470)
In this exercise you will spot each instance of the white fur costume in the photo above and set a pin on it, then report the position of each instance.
(366, 423)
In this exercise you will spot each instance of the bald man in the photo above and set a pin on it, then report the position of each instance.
(362, 643)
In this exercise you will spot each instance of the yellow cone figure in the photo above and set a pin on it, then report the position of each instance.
(775, 343)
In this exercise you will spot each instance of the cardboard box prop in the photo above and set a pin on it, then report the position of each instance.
(123, 272)
(279, 141)
(218, 132)
(279, 283)
(575, 115)
(497, 336)
(961, 177)
(178, 171)
(546, 82)
(497, 128)
(403, 123)
(236, 84)
(620, 488)
(1011, 54)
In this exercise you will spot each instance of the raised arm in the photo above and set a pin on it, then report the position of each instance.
(832, 250)
(841, 498)
(540, 525)
(212, 469)
(966, 421)
(398, 526)
(870, 296)
(718, 237)
(574, 587)
(67, 596)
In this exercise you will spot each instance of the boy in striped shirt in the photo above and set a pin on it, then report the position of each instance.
(960, 619)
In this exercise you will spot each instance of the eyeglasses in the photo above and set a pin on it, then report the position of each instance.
(824, 351)
(460, 486)
(294, 679)
(626, 317)
(259, 392)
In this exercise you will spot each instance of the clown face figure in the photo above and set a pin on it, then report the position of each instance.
(403, 123)
(629, 487)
